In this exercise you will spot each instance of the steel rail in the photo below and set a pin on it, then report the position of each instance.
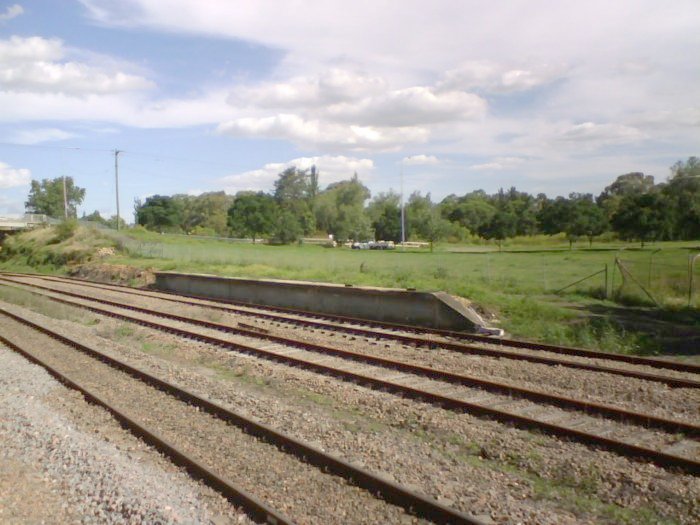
(411, 340)
(254, 507)
(413, 502)
(447, 402)
(648, 420)
(670, 381)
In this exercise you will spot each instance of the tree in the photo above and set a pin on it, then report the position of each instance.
(252, 215)
(94, 217)
(634, 183)
(523, 205)
(643, 217)
(434, 228)
(587, 218)
(46, 197)
(473, 214)
(384, 211)
(577, 216)
(287, 228)
(553, 215)
(112, 222)
(339, 210)
(683, 193)
(210, 210)
(160, 213)
(502, 226)
(295, 191)
(424, 219)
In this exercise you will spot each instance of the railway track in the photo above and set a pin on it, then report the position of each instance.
(272, 470)
(383, 330)
(629, 439)
(494, 350)
(648, 420)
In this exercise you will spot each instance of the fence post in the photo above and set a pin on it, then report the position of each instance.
(605, 286)
(691, 264)
(651, 258)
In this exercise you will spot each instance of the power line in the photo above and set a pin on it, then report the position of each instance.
(45, 146)
(183, 159)
(130, 152)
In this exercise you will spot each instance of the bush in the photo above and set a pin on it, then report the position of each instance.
(65, 230)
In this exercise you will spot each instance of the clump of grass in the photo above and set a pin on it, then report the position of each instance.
(43, 305)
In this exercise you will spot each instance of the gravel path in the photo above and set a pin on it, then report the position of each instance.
(287, 484)
(480, 466)
(65, 461)
(634, 394)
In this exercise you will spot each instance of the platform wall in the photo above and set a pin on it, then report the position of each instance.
(429, 309)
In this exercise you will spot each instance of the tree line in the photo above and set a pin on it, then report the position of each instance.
(633, 206)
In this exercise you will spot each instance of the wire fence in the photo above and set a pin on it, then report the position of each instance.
(661, 277)
(658, 280)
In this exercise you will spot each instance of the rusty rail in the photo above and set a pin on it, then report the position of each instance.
(394, 493)
(451, 403)
(410, 340)
(464, 349)
(649, 420)
(236, 495)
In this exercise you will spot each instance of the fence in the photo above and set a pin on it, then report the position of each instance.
(669, 277)
(651, 278)
(658, 279)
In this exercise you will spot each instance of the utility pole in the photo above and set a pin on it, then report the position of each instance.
(403, 224)
(116, 181)
(65, 199)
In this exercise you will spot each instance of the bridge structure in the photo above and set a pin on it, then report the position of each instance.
(25, 222)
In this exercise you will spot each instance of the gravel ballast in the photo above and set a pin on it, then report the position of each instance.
(65, 461)
(288, 485)
(415, 443)
(625, 392)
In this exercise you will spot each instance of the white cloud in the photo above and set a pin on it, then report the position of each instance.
(17, 49)
(116, 108)
(419, 160)
(332, 86)
(11, 12)
(345, 110)
(316, 133)
(331, 169)
(603, 134)
(499, 78)
(374, 76)
(410, 107)
(37, 136)
(12, 177)
(33, 65)
(500, 163)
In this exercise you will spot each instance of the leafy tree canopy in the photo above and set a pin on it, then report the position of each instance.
(252, 215)
(160, 213)
(46, 197)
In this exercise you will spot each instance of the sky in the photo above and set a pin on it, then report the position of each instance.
(449, 96)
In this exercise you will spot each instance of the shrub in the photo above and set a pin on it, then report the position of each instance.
(65, 230)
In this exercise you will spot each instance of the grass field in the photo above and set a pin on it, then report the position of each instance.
(514, 287)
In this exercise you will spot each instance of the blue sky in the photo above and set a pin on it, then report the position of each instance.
(205, 95)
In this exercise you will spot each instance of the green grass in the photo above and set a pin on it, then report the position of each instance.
(516, 287)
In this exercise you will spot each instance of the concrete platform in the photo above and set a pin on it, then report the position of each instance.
(428, 309)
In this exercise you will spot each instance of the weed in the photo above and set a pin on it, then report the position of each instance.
(123, 331)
